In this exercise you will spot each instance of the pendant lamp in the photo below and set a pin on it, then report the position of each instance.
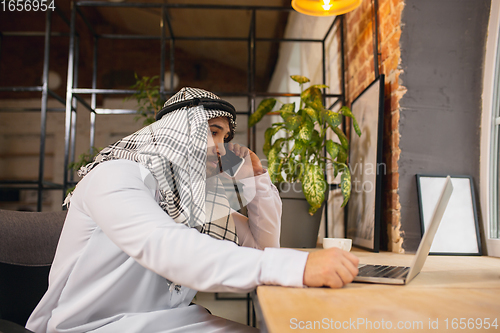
(325, 7)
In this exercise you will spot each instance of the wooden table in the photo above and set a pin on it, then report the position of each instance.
(451, 293)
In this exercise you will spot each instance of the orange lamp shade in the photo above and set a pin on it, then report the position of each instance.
(325, 7)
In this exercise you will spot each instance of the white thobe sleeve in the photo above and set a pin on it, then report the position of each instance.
(120, 203)
(262, 227)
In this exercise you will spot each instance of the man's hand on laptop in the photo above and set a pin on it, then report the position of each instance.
(332, 268)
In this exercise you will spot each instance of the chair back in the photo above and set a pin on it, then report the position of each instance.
(28, 243)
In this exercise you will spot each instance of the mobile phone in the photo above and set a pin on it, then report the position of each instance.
(231, 163)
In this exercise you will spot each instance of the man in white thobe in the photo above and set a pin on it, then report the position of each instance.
(140, 238)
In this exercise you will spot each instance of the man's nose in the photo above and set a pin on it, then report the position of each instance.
(221, 149)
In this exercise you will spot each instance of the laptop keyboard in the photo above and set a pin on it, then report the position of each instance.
(391, 272)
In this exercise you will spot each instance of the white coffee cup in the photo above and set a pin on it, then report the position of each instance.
(342, 243)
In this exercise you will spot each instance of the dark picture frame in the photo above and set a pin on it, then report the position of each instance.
(458, 233)
(365, 162)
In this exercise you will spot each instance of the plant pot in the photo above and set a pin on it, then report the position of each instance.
(298, 228)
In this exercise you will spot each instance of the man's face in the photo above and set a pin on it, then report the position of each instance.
(218, 131)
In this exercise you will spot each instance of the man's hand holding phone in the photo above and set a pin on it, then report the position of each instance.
(250, 164)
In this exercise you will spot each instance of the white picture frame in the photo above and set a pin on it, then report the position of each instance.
(458, 233)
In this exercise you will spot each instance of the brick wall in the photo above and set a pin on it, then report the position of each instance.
(360, 73)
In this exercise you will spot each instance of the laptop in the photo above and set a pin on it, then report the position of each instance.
(403, 275)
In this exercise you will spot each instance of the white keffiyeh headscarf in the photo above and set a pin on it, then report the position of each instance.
(174, 150)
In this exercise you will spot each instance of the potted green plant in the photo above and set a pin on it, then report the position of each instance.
(149, 100)
(298, 155)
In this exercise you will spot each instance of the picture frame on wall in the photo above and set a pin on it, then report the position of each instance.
(334, 213)
(367, 169)
(458, 233)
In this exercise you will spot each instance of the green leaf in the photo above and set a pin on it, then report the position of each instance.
(343, 139)
(316, 139)
(287, 110)
(69, 190)
(268, 135)
(286, 114)
(264, 108)
(313, 114)
(320, 86)
(279, 177)
(312, 97)
(273, 160)
(277, 145)
(293, 121)
(334, 119)
(314, 186)
(300, 79)
(333, 148)
(335, 170)
(306, 130)
(345, 184)
(347, 112)
(342, 156)
(273, 164)
(148, 97)
(289, 107)
(267, 141)
(298, 145)
(84, 159)
(296, 151)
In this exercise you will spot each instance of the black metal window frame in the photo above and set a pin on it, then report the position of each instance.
(40, 185)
